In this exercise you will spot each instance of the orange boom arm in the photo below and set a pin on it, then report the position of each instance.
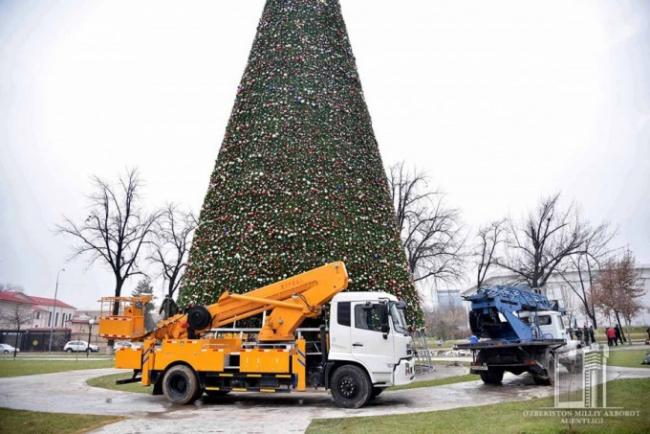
(290, 301)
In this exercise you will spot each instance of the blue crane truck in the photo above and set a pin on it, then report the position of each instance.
(517, 330)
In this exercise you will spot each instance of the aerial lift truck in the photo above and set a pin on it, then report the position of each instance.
(362, 346)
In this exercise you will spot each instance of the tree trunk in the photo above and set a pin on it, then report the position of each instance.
(118, 291)
(620, 326)
(16, 343)
(591, 285)
(116, 307)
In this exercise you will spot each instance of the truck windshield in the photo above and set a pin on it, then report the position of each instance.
(399, 320)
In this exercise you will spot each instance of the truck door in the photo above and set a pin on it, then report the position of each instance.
(371, 346)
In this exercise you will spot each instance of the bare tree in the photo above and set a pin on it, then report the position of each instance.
(116, 230)
(447, 322)
(617, 289)
(544, 241)
(489, 238)
(430, 231)
(17, 316)
(585, 265)
(171, 244)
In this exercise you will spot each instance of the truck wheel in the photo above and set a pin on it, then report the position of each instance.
(540, 381)
(493, 376)
(351, 387)
(550, 369)
(180, 385)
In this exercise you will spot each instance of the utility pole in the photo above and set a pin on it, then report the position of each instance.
(90, 328)
(53, 318)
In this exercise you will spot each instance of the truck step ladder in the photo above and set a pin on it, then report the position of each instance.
(423, 361)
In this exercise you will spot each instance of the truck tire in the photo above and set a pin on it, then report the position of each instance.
(351, 387)
(180, 385)
(493, 376)
(550, 368)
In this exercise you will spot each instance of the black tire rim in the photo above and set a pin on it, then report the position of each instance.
(348, 387)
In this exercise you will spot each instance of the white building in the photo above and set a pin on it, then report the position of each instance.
(558, 289)
(40, 312)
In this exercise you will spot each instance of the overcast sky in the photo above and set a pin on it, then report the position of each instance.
(502, 102)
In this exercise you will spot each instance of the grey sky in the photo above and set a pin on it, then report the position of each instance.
(502, 102)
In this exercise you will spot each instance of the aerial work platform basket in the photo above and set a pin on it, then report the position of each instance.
(123, 317)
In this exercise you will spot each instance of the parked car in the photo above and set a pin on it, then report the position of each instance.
(122, 344)
(7, 349)
(79, 346)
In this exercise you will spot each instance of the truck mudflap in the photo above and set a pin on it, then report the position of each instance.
(404, 372)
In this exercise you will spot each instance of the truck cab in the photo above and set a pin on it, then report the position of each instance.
(369, 330)
(546, 324)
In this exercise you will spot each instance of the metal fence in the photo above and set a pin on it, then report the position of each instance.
(35, 340)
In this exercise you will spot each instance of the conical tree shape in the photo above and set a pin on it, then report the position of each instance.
(299, 180)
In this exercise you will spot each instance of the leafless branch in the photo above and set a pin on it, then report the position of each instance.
(171, 243)
(116, 229)
(489, 238)
(431, 233)
(544, 241)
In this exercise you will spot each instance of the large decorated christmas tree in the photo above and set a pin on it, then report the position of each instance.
(298, 181)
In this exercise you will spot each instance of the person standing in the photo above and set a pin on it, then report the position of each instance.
(585, 333)
(619, 336)
(592, 334)
(611, 336)
(579, 334)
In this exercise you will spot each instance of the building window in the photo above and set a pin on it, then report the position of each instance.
(56, 319)
(38, 315)
(49, 319)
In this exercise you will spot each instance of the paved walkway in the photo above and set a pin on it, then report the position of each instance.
(250, 413)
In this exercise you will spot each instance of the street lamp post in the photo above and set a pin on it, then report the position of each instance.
(90, 328)
(53, 318)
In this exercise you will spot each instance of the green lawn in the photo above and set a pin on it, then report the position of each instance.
(631, 358)
(108, 382)
(13, 368)
(501, 418)
(32, 422)
(437, 382)
(636, 333)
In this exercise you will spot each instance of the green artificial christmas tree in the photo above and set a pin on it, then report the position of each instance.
(299, 181)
